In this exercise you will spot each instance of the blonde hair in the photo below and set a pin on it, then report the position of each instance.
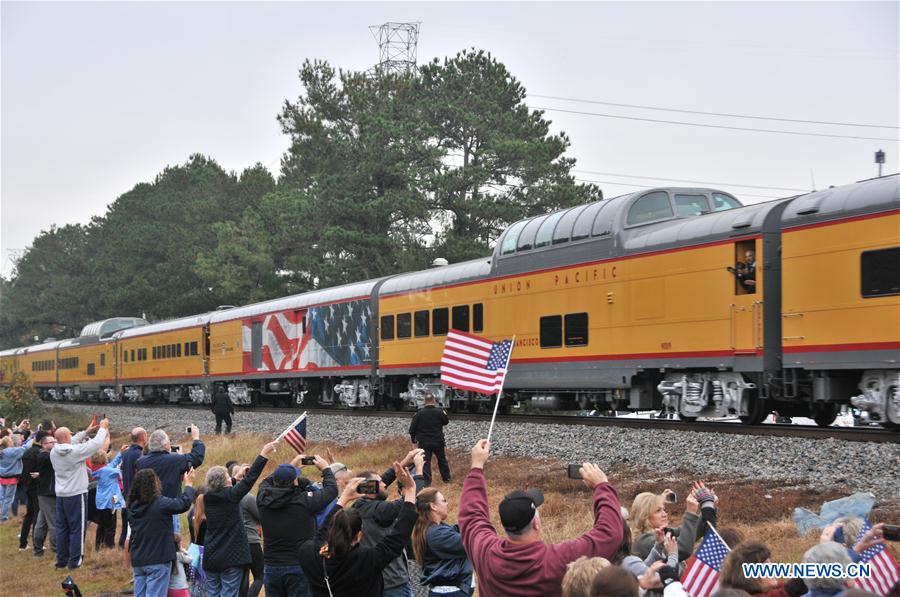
(851, 525)
(6, 442)
(643, 506)
(99, 458)
(580, 574)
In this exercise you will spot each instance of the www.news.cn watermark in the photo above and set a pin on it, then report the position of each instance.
(782, 570)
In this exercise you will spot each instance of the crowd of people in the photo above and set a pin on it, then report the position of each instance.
(345, 534)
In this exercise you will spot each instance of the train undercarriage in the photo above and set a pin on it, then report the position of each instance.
(691, 395)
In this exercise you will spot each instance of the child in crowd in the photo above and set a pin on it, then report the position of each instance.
(178, 580)
(109, 497)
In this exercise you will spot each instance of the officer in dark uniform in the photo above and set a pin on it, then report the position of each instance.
(427, 430)
(222, 408)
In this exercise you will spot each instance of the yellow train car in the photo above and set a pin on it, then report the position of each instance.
(8, 365)
(39, 362)
(163, 361)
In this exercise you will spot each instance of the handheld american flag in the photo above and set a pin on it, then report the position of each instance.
(884, 570)
(702, 575)
(474, 363)
(295, 435)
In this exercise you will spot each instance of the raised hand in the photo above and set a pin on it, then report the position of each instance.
(592, 475)
(480, 453)
(268, 449)
(349, 494)
(408, 486)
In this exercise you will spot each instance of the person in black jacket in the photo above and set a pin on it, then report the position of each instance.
(129, 466)
(287, 512)
(169, 466)
(29, 482)
(222, 408)
(46, 495)
(226, 551)
(151, 550)
(427, 431)
(335, 563)
(378, 514)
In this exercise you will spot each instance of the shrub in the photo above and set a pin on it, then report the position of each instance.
(20, 400)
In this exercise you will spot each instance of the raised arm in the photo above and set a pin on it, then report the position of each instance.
(329, 491)
(243, 487)
(474, 516)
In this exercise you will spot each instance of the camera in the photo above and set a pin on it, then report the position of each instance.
(175, 449)
(70, 588)
(671, 497)
(672, 531)
(306, 460)
(573, 471)
(187, 429)
(891, 532)
(369, 487)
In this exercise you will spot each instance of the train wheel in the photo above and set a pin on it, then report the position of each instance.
(757, 411)
(892, 409)
(825, 413)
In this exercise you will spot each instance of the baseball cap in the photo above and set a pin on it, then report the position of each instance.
(518, 507)
(285, 474)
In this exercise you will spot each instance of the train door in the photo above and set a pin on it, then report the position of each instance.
(256, 339)
(746, 308)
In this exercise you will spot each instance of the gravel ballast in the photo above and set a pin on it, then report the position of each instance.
(818, 463)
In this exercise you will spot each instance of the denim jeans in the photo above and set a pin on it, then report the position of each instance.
(7, 495)
(285, 581)
(152, 580)
(224, 584)
(403, 590)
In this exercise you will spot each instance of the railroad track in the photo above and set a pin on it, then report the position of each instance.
(856, 434)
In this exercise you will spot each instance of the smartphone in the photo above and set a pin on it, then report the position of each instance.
(573, 471)
(891, 532)
(187, 429)
(671, 497)
(175, 449)
(306, 460)
(369, 487)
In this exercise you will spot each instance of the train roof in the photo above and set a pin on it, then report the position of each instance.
(40, 347)
(9, 352)
(864, 197)
(437, 276)
(164, 326)
(108, 327)
(299, 301)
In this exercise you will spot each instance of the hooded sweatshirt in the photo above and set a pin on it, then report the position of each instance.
(11, 460)
(536, 568)
(68, 463)
(288, 517)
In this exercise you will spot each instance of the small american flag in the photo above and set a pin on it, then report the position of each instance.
(474, 363)
(885, 572)
(702, 575)
(295, 435)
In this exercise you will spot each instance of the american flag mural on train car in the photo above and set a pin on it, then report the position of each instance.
(337, 335)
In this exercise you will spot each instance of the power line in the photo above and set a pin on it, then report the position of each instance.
(644, 186)
(584, 101)
(713, 126)
(730, 184)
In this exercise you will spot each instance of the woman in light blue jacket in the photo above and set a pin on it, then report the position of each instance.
(10, 469)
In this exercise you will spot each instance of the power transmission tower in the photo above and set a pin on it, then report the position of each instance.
(396, 47)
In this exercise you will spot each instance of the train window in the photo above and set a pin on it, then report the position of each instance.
(387, 327)
(404, 325)
(142, 354)
(551, 331)
(90, 369)
(582, 227)
(563, 231)
(744, 269)
(461, 318)
(577, 329)
(125, 356)
(302, 327)
(691, 205)
(880, 272)
(478, 317)
(652, 207)
(722, 202)
(545, 233)
(512, 238)
(187, 349)
(422, 323)
(526, 237)
(102, 360)
(178, 350)
(603, 222)
(440, 321)
(194, 351)
(132, 354)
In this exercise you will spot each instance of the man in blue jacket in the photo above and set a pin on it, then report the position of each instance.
(170, 466)
(129, 467)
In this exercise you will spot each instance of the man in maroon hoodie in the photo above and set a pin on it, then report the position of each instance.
(522, 564)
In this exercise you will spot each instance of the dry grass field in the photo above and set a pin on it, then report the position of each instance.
(759, 509)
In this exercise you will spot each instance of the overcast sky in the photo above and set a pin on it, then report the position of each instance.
(97, 97)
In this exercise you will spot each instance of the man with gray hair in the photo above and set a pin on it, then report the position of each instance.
(827, 553)
(129, 466)
(170, 466)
